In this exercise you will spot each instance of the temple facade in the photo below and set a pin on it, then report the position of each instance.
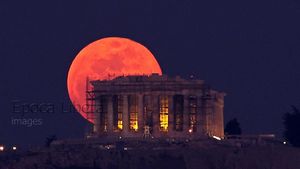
(156, 106)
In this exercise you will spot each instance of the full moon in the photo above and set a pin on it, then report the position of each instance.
(104, 59)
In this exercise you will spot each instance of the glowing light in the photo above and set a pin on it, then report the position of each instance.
(217, 138)
(164, 113)
(133, 115)
(284, 142)
(14, 148)
(164, 122)
(1, 148)
(118, 103)
(120, 124)
(134, 121)
(190, 130)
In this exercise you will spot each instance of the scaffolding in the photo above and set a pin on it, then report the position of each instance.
(90, 101)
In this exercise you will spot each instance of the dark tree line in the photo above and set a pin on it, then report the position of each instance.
(291, 121)
(49, 140)
(233, 128)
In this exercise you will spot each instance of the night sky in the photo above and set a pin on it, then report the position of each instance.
(250, 50)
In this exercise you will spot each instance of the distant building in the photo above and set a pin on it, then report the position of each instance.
(155, 106)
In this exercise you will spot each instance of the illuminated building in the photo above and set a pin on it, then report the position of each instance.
(167, 107)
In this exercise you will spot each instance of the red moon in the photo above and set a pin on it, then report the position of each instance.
(103, 58)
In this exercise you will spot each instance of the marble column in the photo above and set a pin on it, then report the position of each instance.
(156, 122)
(186, 120)
(125, 116)
(96, 112)
(207, 113)
(110, 122)
(199, 116)
(204, 115)
(140, 113)
(218, 105)
(171, 126)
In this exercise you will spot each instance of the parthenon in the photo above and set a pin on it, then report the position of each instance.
(156, 106)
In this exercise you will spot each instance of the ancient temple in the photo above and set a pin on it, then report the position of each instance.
(156, 106)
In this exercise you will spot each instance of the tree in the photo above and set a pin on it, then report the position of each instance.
(49, 140)
(291, 121)
(233, 128)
